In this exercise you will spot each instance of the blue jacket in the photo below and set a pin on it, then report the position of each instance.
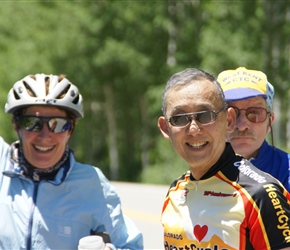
(56, 214)
(275, 162)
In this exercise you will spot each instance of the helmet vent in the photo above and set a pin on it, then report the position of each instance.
(17, 97)
(76, 100)
(47, 83)
(29, 90)
(63, 93)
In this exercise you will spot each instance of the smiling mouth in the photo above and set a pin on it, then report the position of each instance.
(43, 149)
(197, 145)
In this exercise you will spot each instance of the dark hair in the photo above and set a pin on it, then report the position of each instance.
(185, 77)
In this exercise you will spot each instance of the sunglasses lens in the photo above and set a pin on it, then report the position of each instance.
(256, 115)
(58, 125)
(35, 124)
(32, 124)
(206, 117)
(179, 120)
(253, 114)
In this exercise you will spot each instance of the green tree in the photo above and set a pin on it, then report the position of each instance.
(121, 53)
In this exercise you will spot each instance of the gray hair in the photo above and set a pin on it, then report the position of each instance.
(184, 78)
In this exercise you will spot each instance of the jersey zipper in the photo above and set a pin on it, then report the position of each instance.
(30, 225)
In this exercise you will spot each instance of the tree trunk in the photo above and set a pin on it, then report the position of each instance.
(112, 131)
(144, 134)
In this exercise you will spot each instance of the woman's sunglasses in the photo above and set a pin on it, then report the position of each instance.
(33, 123)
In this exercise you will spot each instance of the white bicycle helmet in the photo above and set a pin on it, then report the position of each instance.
(47, 90)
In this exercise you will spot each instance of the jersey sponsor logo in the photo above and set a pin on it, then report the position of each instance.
(173, 236)
(218, 194)
(64, 230)
(183, 195)
(283, 219)
(192, 247)
(246, 170)
(202, 239)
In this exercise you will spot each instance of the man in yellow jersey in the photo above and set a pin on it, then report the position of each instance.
(222, 201)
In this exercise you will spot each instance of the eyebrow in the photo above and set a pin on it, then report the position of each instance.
(198, 108)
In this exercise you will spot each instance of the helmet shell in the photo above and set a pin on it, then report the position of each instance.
(29, 92)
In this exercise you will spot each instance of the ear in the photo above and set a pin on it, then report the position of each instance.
(14, 126)
(163, 127)
(17, 131)
(271, 120)
(231, 119)
(272, 117)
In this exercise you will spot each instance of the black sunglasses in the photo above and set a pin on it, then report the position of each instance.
(253, 114)
(34, 123)
(203, 117)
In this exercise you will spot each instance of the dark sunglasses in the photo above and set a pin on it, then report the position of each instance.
(33, 123)
(253, 114)
(203, 117)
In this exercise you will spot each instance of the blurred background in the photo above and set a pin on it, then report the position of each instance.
(121, 53)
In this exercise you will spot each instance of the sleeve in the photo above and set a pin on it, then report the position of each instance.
(272, 223)
(123, 233)
(4, 154)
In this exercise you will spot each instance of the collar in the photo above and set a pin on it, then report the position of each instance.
(32, 172)
(227, 159)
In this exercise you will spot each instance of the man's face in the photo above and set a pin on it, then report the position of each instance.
(248, 136)
(200, 145)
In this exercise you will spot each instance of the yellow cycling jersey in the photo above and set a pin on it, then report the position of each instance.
(234, 206)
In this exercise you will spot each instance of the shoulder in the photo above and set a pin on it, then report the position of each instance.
(267, 151)
(4, 147)
(180, 181)
(248, 171)
(183, 178)
(281, 152)
(86, 170)
(91, 176)
(257, 182)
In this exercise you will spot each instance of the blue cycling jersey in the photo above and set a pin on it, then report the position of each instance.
(275, 162)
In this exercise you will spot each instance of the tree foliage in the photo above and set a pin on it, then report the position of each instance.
(120, 55)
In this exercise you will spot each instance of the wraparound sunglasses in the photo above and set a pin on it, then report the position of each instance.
(34, 123)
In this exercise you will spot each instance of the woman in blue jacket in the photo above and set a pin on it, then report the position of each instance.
(48, 200)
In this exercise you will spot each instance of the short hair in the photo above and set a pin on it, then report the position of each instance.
(184, 78)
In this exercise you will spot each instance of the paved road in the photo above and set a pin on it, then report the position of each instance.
(143, 204)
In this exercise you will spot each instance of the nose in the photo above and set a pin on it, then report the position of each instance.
(242, 121)
(193, 127)
(44, 132)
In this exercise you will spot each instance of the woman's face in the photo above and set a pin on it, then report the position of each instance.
(43, 149)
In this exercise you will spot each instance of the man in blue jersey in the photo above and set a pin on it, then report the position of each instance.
(251, 95)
